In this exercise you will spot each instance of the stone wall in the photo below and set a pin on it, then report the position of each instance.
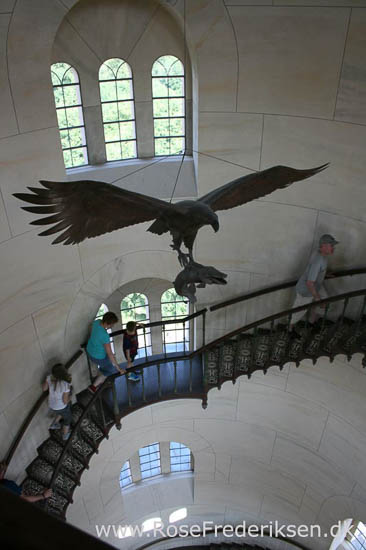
(277, 82)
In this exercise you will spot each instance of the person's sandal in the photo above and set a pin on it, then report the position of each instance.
(55, 426)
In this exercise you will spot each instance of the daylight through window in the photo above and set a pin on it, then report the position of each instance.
(175, 335)
(150, 460)
(135, 307)
(125, 479)
(168, 105)
(180, 457)
(118, 110)
(69, 110)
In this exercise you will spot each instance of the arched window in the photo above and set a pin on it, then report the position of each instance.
(175, 335)
(165, 458)
(118, 111)
(69, 109)
(135, 307)
(168, 105)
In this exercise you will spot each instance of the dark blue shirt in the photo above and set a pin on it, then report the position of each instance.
(11, 486)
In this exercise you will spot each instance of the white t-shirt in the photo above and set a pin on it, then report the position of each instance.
(55, 395)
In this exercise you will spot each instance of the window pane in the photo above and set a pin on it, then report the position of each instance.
(160, 108)
(176, 107)
(67, 159)
(78, 157)
(176, 86)
(124, 89)
(106, 72)
(176, 68)
(61, 118)
(113, 151)
(176, 146)
(111, 132)
(125, 109)
(162, 146)
(71, 95)
(161, 127)
(59, 97)
(65, 142)
(124, 71)
(108, 91)
(160, 87)
(177, 127)
(110, 112)
(77, 137)
(127, 130)
(129, 149)
(173, 307)
(74, 117)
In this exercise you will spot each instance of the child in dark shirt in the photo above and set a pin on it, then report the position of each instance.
(130, 347)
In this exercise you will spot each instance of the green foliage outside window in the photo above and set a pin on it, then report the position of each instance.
(118, 112)
(69, 112)
(173, 305)
(134, 307)
(168, 105)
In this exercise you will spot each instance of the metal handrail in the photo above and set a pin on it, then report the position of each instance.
(68, 364)
(283, 313)
(167, 322)
(282, 286)
(23, 428)
(340, 273)
(107, 382)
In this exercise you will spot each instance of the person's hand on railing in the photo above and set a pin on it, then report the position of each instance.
(47, 493)
(121, 371)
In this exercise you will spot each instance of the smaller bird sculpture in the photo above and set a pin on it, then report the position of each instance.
(196, 275)
(80, 210)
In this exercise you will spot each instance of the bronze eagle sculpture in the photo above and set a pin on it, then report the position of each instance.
(84, 209)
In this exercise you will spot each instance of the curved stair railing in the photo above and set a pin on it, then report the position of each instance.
(270, 342)
(283, 286)
(256, 346)
(60, 464)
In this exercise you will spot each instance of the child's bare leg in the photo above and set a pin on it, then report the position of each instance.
(99, 380)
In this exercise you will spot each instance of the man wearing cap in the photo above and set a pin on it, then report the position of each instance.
(310, 285)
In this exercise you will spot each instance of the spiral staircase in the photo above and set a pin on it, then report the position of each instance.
(267, 343)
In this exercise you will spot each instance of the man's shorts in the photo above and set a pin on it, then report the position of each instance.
(65, 414)
(105, 365)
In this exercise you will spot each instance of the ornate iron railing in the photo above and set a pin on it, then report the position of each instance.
(283, 286)
(255, 346)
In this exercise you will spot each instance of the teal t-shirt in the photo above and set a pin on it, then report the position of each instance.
(98, 337)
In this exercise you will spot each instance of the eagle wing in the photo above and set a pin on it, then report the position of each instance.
(85, 209)
(253, 186)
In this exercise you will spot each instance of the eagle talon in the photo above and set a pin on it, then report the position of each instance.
(184, 259)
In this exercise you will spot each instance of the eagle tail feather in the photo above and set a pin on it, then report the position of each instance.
(158, 227)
